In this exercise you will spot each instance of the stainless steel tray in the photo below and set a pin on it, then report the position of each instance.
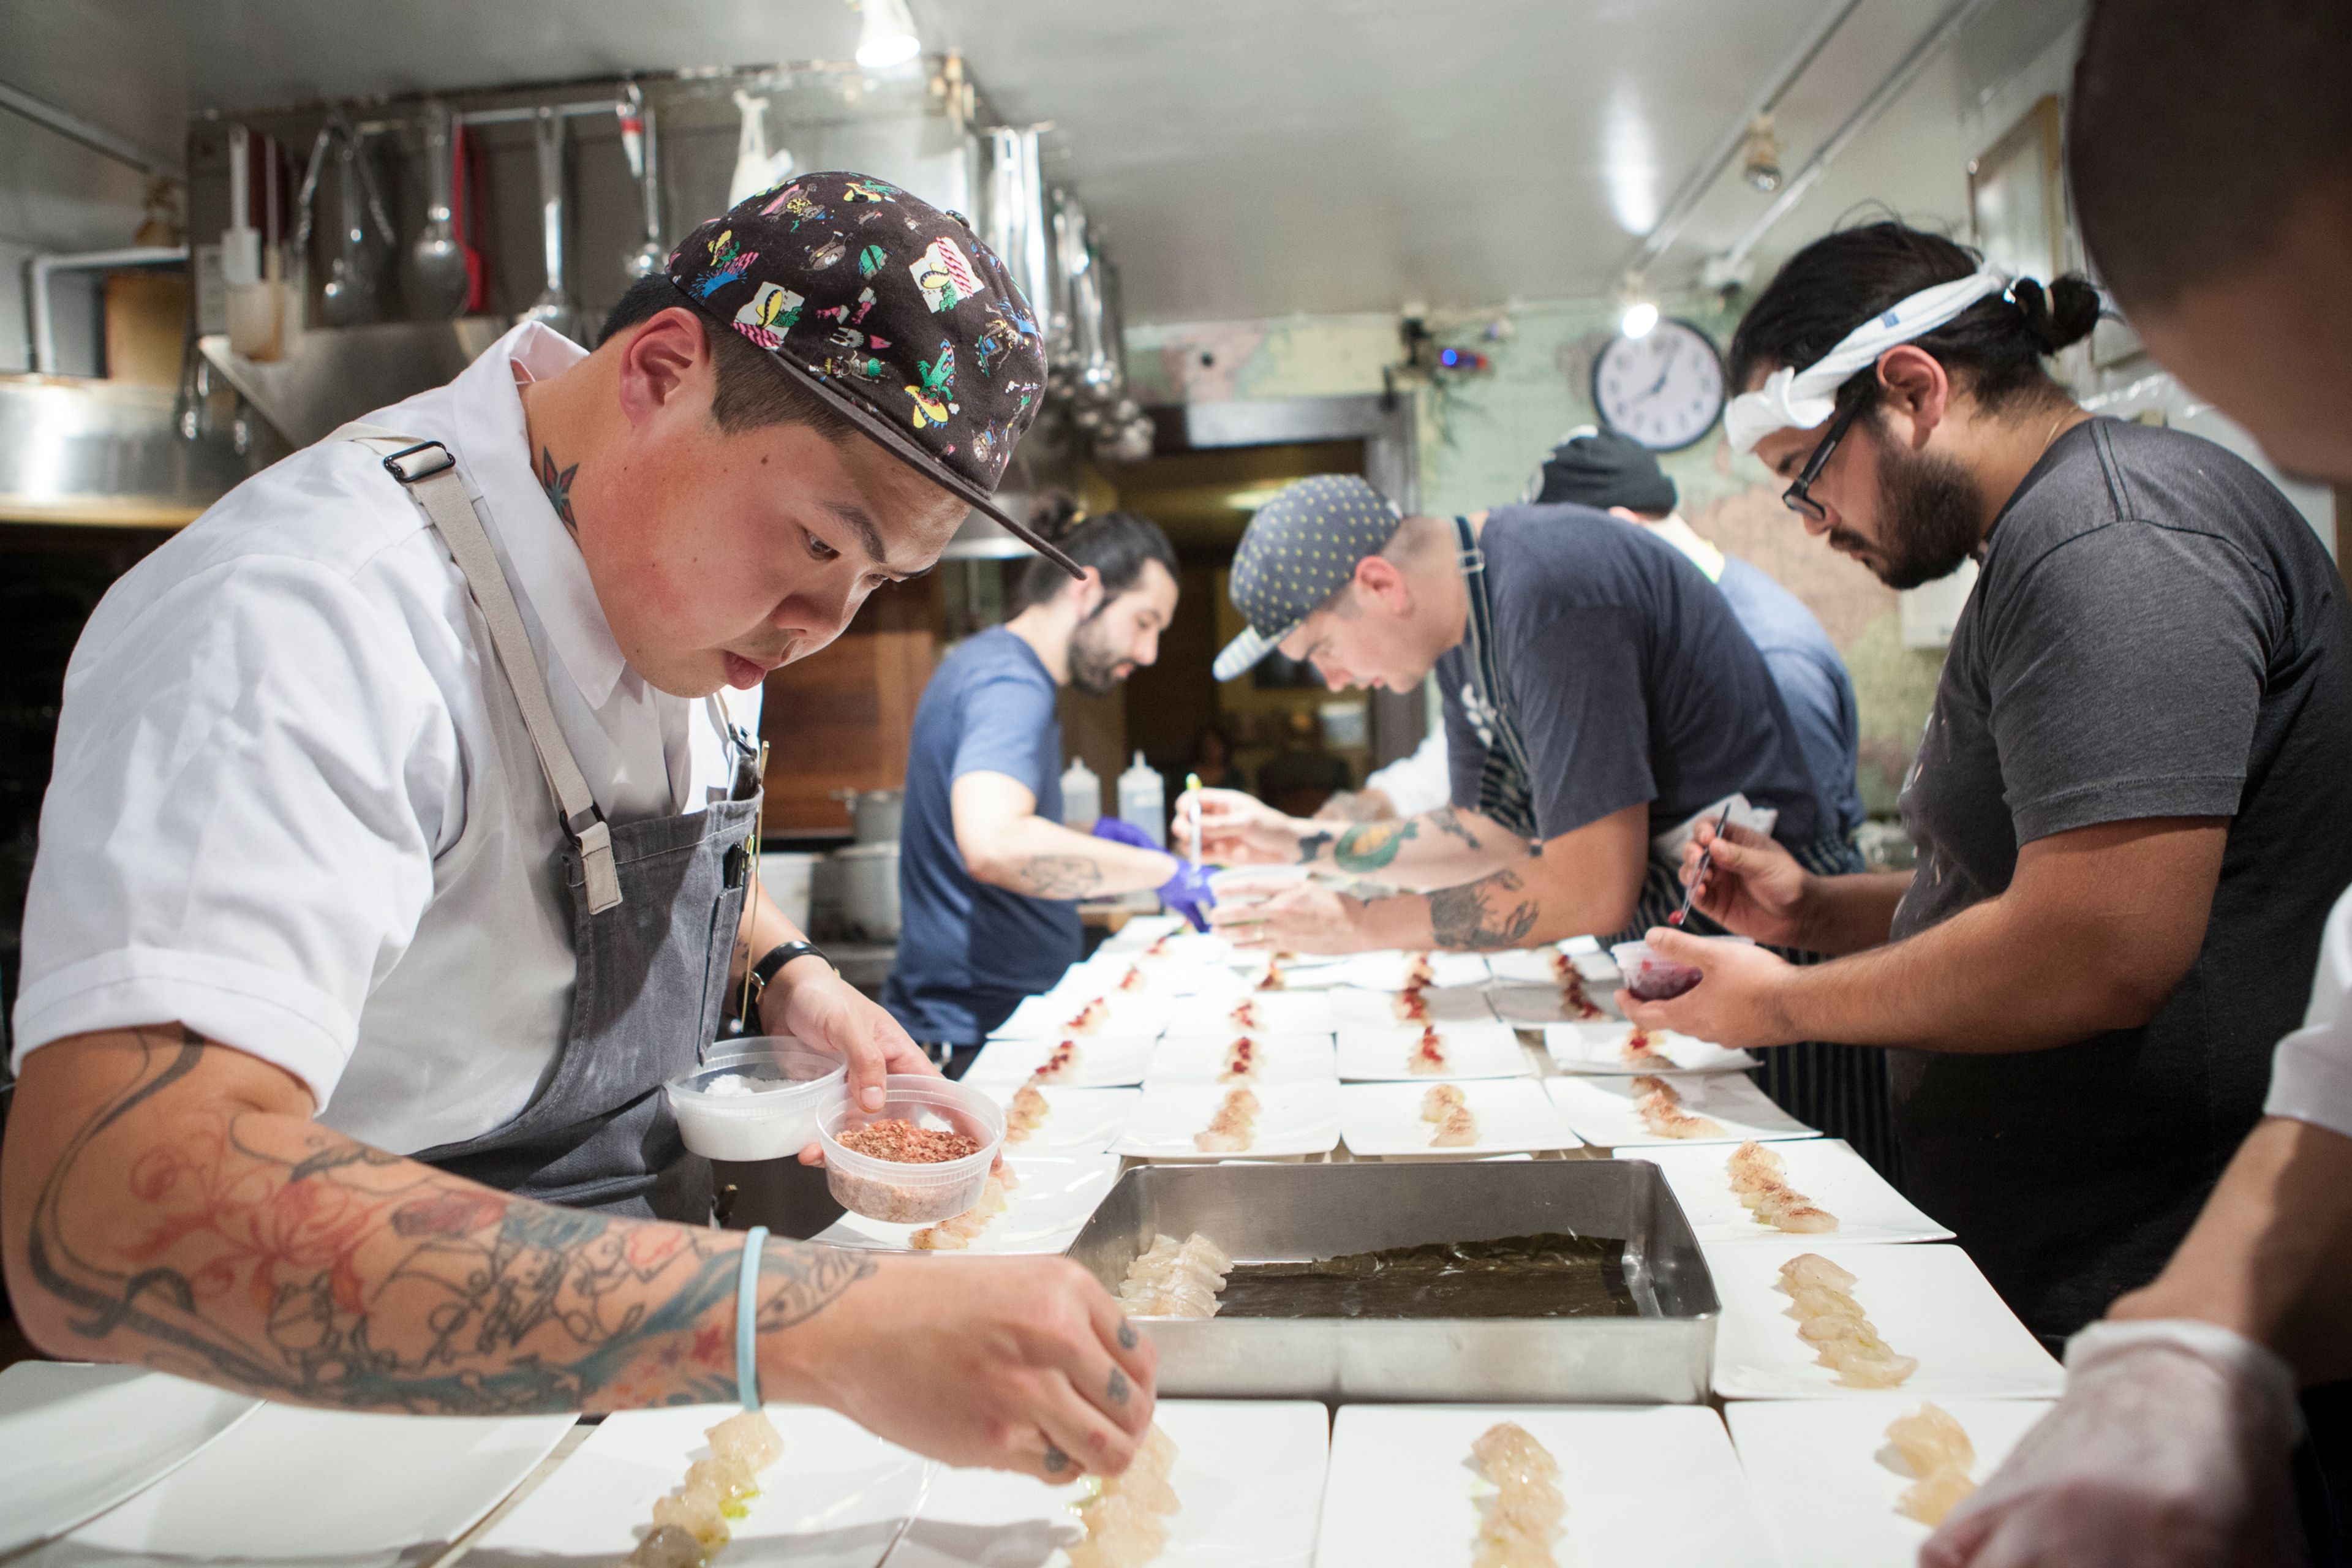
(1264, 1213)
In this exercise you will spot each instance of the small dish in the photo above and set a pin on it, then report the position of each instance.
(908, 1194)
(757, 1100)
(1652, 976)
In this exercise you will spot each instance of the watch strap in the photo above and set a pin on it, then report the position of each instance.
(776, 957)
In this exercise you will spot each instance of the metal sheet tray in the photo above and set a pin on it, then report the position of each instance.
(1264, 1214)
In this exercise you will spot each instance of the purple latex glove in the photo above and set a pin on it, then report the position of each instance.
(1187, 892)
(1122, 832)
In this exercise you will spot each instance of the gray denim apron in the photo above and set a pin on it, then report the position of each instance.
(655, 910)
(1842, 1089)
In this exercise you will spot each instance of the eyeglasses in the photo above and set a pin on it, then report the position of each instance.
(1799, 497)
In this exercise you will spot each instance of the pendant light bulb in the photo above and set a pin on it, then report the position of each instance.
(888, 37)
(1639, 319)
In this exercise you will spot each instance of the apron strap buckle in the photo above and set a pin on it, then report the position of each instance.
(411, 464)
(596, 842)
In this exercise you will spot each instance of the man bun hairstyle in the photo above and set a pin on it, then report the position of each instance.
(1119, 544)
(2196, 131)
(1995, 347)
(748, 391)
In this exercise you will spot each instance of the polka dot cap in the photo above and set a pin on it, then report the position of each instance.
(1300, 549)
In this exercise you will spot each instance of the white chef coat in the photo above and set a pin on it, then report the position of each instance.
(295, 808)
(2311, 1073)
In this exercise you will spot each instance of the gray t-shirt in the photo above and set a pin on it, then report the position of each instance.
(2157, 633)
(1629, 680)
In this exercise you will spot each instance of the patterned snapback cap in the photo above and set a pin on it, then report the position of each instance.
(1300, 549)
(892, 311)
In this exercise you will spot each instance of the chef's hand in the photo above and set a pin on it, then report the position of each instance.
(1188, 893)
(1752, 886)
(1016, 1363)
(811, 1002)
(1305, 919)
(1238, 830)
(1738, 1003)
(2159, 1457)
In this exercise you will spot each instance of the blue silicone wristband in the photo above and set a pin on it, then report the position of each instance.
(747, 1347)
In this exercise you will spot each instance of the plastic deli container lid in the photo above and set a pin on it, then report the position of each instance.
(937, 1190)
(756, 1099)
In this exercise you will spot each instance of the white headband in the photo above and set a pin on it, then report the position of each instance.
(1801, 399)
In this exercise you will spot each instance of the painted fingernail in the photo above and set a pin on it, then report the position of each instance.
(1118, 1386)
(1057, 1461)
(1128, 1338)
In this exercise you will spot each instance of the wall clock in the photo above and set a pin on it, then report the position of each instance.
(1665, 388)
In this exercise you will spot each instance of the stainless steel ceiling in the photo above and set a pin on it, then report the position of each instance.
(1246, 158)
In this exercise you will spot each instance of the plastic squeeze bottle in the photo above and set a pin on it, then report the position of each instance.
(1143, 801)
(1081, 795)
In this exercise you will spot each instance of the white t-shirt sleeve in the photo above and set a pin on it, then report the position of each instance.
(254, 772)
(1420, 780)
(2310, 1075)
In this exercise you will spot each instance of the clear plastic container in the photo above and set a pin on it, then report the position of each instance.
(1652, 976)
(756, 1099)
(910, 1194)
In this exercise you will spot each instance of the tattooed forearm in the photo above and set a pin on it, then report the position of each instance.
(1311, 847)
(1057, 877)
(1448, 821)
(1486, 913)
(185, 1229)
(1369, 845)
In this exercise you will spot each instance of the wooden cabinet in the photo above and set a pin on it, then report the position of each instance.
(841, 719)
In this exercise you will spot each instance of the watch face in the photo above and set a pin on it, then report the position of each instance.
(1664, 389)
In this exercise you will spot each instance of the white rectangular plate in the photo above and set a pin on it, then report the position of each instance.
(1601, 1110)
(1825, 1170)
(1055, 1198)
(1082, 1120)
(836, 1499)
(1926, 1301)
(1104, 1061)
(1392, 970)
(1374, 1053)
(1826, 1479)
(1249, 1473)
(1654, 1484)
(1514, 1117)
(79, 1438)
(1535, 963)
(1599, 1048)
(1049, 1016)
(1132, 976)
(1292, 1119)
(1275, 1012)
(1140, 931)
(1381, 1009)
(1530, 1006)
(297, 1484)
(1282, 1059)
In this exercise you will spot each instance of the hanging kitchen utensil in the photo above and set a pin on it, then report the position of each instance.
(641, 140)
(349, 299)
(554, 308)
(442, 281)
(756, 168)
(464, 204)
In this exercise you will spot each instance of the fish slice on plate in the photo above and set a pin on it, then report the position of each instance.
(1614, 1046)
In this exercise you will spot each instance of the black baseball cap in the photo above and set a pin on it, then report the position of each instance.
(1602, 469)
(892, 311)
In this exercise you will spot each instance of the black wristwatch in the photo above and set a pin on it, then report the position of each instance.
(784, 952)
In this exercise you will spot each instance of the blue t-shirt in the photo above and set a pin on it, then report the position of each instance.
(969, 952)
(1812, 679)
(1629, 680)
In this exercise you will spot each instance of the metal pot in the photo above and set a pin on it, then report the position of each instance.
(870, 890)
(876, 812)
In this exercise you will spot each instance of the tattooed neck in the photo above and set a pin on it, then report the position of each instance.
(556, 483)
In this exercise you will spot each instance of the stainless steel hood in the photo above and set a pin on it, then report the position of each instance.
(336, 375)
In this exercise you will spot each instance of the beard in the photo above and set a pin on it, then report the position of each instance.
(1095, 665)
(1932, 512)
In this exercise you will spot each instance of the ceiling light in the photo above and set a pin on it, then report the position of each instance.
(1763, 155)
(1639, 318)
(887, 38)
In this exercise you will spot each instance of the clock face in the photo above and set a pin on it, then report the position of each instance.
(1664, 389)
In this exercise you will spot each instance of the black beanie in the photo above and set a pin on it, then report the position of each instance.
(1602, 469)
